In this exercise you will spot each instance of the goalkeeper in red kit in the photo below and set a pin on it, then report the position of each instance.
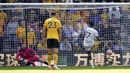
(29, 56)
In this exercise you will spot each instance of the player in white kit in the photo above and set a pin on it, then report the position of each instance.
(91, 35)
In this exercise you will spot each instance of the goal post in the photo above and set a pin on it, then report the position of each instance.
(111, 21)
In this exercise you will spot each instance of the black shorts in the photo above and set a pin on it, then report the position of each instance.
(52, 43)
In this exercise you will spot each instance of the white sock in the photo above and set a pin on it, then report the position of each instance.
(55, 65)
(91, 63)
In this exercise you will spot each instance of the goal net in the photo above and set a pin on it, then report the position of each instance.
(111, 21)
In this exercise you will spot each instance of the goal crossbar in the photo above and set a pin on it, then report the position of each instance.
(32, 4)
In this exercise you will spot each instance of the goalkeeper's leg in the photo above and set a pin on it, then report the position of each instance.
(28, 62)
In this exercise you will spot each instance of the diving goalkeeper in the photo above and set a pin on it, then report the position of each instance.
(29, 56)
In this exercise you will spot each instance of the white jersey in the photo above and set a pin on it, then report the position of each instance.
(90, 36)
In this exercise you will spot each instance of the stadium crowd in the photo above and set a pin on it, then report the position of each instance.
(108, 21)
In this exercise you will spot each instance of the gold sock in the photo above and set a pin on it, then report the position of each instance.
(55, 59)
(49, 59)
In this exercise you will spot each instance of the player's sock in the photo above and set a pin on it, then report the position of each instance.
(49, 59)
(55, 62)
(49, 67)
(55, 59)
(90, 59)
(56, 68)
(91, 63)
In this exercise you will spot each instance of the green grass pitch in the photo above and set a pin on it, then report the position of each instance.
(64, 68)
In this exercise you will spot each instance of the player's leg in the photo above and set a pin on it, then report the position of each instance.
(49, 58)
(28, 62)
(55, 58)
(90, 58)
(88, 49)
(49, 47)
(32, 59)
(56, 46)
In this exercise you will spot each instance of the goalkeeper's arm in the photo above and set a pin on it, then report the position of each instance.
(18, 56)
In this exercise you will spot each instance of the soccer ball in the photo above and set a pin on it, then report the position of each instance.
(109, 52)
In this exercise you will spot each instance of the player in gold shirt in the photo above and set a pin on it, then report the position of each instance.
(52, 27)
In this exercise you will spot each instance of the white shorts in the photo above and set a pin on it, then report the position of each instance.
(88, 45)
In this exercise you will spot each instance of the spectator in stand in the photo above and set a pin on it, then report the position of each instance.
(121, 9)
(65, 45)
(75, 15)
(31, 38)
(85, 15)
(118, 31)
(3, 18)
(114, 11)
(70, 32)
(38, 32)
(118, 48)
(107, 32)
(95, 17)
(67, 29)
(66, 16)
(105, 15)
(114, 21)
(44, 14)
(107, 45)
(81, 26)
(18, 13)
(42, 45)
(20, 31)
(11, 28)
(32, 19)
